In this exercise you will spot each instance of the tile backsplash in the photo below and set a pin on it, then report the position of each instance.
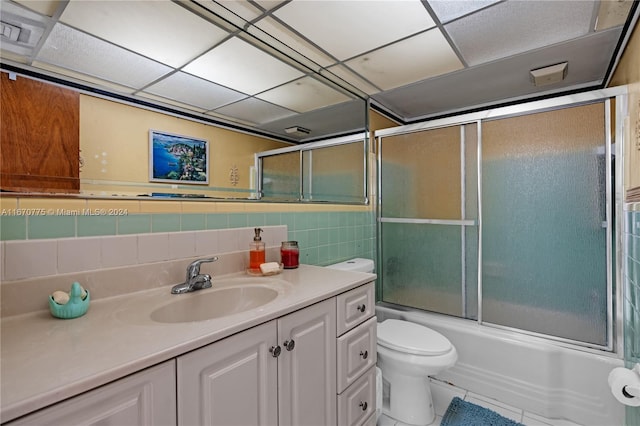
(34, 246)
(46, 257)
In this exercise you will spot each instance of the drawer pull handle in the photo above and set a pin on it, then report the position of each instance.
(364, 354)
(289, 344)
(364, 405)
(362, 307)
(275, 351)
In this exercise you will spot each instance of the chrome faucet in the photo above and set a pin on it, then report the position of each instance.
(194, 280)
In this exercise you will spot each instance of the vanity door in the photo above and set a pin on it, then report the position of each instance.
(230, 382)
(146, 398)
(307, 366)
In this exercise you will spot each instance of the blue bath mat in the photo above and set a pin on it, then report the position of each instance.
(463, 413)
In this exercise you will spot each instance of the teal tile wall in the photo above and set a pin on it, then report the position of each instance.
(323, 237)
(632, 301)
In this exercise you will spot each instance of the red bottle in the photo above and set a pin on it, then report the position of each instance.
(290, 254)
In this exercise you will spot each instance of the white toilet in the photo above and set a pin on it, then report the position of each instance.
(407, 354)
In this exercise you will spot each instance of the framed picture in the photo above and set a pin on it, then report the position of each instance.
(178, 159)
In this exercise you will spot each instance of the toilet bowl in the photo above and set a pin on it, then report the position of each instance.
(408, 353)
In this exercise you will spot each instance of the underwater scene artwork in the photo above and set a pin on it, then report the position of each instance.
(178, 159)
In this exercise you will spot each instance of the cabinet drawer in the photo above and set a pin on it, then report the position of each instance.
(356, 353)
(355, 306)
(357, 404)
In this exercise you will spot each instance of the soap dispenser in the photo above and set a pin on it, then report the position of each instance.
(256, 251)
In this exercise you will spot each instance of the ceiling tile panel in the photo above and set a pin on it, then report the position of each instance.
(503, 80)
(304, 95)
(236, 63)
(83, 78)
(513, 27)
(149, 97)
(324, 121)
(45, 7)
(294, 41)
(349, 28)
(352, 78)
(79, 52)
(255, 111)
(413, 59)
(447, 10)
(191, 90)
(160, 30)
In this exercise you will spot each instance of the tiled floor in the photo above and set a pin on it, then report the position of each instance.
(443, 393)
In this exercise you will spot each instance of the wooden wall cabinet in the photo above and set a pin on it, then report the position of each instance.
(40, 136)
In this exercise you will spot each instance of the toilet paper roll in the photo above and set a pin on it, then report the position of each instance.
(623, 382)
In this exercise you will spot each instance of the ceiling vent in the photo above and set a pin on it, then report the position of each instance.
(20, 29)
(9, 32)
(297, 131)
(550, 74)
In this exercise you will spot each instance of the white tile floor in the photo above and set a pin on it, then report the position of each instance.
(443, 393)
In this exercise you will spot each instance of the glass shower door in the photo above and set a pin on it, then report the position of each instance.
(544, 223)
(428, 184)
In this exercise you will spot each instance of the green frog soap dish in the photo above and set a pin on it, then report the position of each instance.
(69, 305)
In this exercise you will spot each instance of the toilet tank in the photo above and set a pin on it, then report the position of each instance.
(358, 264)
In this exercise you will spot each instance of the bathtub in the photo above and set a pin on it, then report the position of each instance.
(531, 373)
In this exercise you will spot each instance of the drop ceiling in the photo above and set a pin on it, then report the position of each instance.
(267, 65)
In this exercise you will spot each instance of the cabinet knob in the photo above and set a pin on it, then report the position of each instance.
(364, 405)
(275, 351)
(364, 354)
(362, 307)
(289, 344)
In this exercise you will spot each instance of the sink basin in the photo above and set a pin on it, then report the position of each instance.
(204, 305)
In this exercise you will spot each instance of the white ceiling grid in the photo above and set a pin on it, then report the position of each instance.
(414, 58)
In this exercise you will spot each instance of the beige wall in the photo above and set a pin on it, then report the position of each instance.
(628, 72)
(378, 121)
(114, 144)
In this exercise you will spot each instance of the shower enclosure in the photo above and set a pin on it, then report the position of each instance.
(505, 217)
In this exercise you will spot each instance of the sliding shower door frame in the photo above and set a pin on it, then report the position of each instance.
(613, 198)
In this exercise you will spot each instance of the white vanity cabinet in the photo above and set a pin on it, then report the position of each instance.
(144, 398)
(313, 366)
(356, 356)
(279, 373)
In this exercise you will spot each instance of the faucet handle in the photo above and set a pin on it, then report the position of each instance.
(194, 267)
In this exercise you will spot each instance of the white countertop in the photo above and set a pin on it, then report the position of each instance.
(45, 360)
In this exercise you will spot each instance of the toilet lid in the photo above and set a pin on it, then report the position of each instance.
(409, 337)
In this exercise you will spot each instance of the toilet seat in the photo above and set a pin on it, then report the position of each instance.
(412, 338)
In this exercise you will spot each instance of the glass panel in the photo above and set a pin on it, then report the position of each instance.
(420, 174)
(425, 265)
(543, 240)
(281, 176)
(422, 266)
(334, 173)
